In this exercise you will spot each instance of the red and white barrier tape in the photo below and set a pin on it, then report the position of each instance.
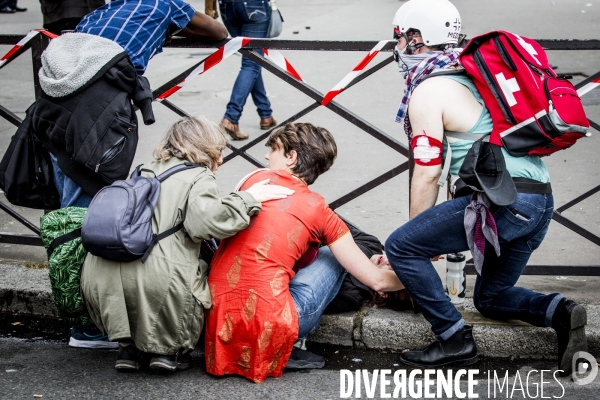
(215, 58)
(5, 58)
(337, 89)
(591, 85)
(279, 60)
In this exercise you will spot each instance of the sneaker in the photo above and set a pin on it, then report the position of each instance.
(7, 10)
(303, 359)
(129, 357)
(162, 362)
(90, 338)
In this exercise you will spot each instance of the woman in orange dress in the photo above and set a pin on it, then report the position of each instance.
(261, 307)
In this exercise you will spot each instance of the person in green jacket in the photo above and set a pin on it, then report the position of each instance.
(157, 308)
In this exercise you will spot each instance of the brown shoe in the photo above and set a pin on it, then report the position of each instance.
(267, 123)
(233, 130)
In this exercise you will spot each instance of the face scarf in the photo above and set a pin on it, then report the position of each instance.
(407, 62)
(435, 60)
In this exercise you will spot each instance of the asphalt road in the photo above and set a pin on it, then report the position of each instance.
(53, 370)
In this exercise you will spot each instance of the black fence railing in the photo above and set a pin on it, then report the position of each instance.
(39, 43)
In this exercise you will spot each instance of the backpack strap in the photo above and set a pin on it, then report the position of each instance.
(136, 172)
(177, 168)
(446, 72)
(156, 238)
(473, 137)
(159, 237)
(62, 239)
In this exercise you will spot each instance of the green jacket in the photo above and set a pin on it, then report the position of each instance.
(160, 304)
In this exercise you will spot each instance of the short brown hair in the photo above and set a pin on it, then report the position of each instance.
(194, 139)
(315, 147)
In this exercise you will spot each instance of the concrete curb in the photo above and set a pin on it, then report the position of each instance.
(27, 291)
(388, 329)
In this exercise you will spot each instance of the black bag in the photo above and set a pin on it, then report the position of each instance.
(26, 171)
(353, 293)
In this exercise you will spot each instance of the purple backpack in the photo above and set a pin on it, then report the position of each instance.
(118, 223)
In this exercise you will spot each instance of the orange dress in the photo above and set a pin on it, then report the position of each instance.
(253, 325)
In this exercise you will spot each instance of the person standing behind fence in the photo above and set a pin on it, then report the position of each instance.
(10, 7)
(427, 31)
(141, 26)
(64, 15)
(138, 27)
(248, 18)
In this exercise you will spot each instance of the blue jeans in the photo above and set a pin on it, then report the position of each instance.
(71, 194)
(440, 230)
(248, 18)
(314, 287)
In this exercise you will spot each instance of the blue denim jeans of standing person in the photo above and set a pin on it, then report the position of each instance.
(249, 18)
(440, 230)
(314, 287)
(71, 194)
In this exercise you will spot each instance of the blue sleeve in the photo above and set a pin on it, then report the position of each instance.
(181, 13)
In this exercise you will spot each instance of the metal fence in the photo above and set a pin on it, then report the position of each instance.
(39, 43)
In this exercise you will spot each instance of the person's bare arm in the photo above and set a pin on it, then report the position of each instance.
(425, 112)
(436, 105)
(355, 262)
(203, 27)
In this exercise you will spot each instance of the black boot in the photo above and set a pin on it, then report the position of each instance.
(569, 321)
(460, 350)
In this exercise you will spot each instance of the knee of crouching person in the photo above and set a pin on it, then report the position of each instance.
(482, 305)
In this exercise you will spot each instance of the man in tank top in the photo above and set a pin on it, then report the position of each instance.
(427, 32)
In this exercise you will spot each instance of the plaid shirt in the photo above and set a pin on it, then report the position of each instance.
(440, 59)
(139, 26)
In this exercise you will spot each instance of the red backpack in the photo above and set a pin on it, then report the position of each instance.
(533, 110)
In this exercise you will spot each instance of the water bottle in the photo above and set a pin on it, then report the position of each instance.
(456, 278)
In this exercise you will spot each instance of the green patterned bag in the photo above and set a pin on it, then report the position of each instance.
(61, 234)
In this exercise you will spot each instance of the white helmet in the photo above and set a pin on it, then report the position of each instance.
(437, 20)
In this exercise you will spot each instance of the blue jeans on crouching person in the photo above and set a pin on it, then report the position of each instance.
(314, 287)
(249, 18)
(440, 230)
(71, 194)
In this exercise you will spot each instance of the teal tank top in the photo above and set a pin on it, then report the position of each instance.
(531, 167)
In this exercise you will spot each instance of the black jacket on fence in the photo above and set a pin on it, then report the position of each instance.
(92, 130)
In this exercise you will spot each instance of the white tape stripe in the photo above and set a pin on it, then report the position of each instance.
(522, 124)
(356, 71)
(27, 38)
(228, 49)
(346, 81)
(232, 46)
(587, 88)
(380, 45)
(277, 58)
(21, 43)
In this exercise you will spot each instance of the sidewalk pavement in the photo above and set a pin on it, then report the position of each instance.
(27, 291)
